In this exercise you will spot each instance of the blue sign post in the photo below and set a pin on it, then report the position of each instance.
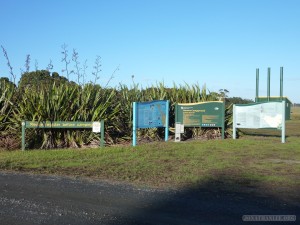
(149, 115)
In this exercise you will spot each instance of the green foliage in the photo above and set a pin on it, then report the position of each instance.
(65, 103)
(239, 100)
(44, 96)
(7, 91)
(40, 79)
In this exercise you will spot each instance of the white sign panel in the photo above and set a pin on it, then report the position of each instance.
(179, 128)
(96, 127)
(264, 115)
(260, 115)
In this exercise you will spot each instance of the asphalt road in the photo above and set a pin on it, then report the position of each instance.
(38, 199)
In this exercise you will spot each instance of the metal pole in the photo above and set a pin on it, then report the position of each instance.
(134, 123)
(281, 83)
(167, 121)
(102, 134)
(283, 123)
(176, 112)
(23, 135)
(234, 123)
(268, 87)
(223, 120)
(257, 85)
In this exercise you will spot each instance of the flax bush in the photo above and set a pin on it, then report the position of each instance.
(90, 102)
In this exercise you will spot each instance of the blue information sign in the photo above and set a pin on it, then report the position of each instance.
(151, 114)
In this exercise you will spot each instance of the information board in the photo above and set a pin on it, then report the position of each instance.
(260, 115)
(149, 115)
(201, 114)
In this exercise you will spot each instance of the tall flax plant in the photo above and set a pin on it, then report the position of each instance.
(65, 103)
(123, 122)
(97, 103)
(9, 132)
(7, 90)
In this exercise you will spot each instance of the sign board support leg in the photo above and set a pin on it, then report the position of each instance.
(102, 134)
(167, 122)
(134, 122)
(233, 124)
(223, 121)
(23, 135)
(283, 123)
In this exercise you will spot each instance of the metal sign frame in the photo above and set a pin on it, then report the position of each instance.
(62, 125)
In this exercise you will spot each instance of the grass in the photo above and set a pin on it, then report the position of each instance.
(168, 164)
(253, 161)
(295, 113)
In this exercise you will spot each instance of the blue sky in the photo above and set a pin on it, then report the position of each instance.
(214, 42)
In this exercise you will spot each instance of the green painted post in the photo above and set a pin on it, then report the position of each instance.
(176, 112)
(102, 134)
(234, 122)
(223, 121)
(23, 135)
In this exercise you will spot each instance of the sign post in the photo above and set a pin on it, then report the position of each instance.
(283, 123)
(134, 114)
(150, 115)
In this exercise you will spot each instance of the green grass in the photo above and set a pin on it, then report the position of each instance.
(295, 113)
(169, 164)
(252, 161)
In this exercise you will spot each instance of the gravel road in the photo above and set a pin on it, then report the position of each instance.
(39, 199)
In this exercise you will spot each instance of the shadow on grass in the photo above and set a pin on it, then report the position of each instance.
(216, 202)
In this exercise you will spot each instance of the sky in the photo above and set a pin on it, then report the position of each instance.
(216, 43)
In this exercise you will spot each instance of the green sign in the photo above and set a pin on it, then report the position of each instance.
(201, 114)
(58, 124)
(97, 127)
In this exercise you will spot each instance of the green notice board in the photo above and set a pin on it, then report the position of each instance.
(96, 126)
(201, 114)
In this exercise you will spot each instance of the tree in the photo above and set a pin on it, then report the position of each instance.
(41, 79)
(239, 100)
(223, 93)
